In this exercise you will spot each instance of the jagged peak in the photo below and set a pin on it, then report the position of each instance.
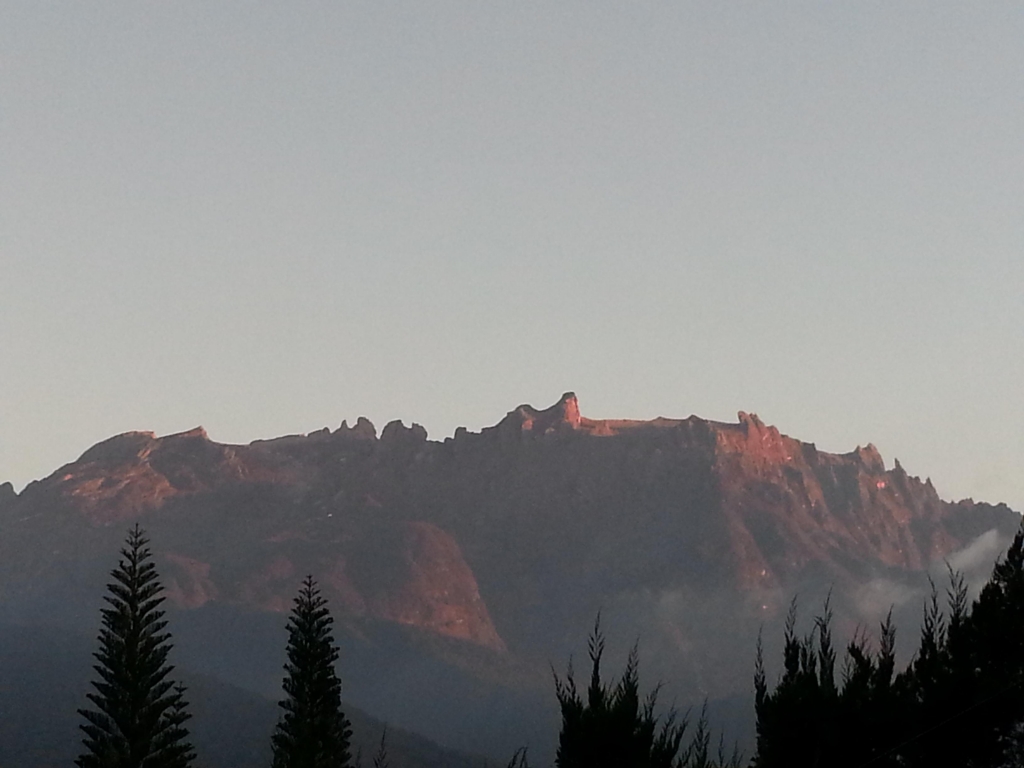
(363, 429)
(126, 446)
(565, 414)
(749, 420)
(570, 408)
(871, 458)
(135, 445)
(396, 430)
(566, 411)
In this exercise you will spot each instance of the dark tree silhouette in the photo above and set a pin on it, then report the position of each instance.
(967, 681)
(996, 639)
(313, 731)
(380, 760)
(808, 720)
(613, 728)
(140, 714)
(960, 701)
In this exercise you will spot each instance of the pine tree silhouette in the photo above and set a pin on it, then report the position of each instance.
(313, 732)
(380, 760)
(140, 713)
(808, 721)
(971, 691)
(614, 728)
(960, 701)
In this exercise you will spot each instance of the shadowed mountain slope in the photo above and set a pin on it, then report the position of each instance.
(44, 678)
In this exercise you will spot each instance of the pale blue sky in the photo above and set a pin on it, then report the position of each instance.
(267, 217)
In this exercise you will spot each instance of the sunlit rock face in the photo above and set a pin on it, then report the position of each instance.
(244, 524)
(688, 533)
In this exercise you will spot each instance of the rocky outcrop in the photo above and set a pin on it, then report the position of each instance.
(7, 496)
(126, 476)
(563, 415)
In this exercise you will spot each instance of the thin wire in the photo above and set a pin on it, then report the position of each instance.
(949, 719)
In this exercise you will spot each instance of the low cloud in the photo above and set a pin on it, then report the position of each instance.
(981, 553)
(974, 562)
(875, 598)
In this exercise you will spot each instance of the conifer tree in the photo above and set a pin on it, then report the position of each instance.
(997, 635)
(518, 759)
(614, 728)
(380, 760)
(809, 721)
(313, 731)
(960, 701)
(140, 714)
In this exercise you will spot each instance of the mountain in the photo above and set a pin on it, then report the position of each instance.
(459, 570)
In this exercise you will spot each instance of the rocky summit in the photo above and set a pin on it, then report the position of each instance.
(459, 569)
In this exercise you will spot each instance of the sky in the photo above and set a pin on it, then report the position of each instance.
(268, 217)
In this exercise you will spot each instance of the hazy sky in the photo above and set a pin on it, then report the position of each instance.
(268, 217)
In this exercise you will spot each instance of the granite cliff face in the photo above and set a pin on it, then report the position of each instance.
(241, 525)
(492, 551)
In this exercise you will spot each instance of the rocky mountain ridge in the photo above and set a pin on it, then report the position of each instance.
(491, 552)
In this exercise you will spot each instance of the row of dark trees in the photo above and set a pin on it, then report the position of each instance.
(960, 702)
(610, 726)
(139, 713)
